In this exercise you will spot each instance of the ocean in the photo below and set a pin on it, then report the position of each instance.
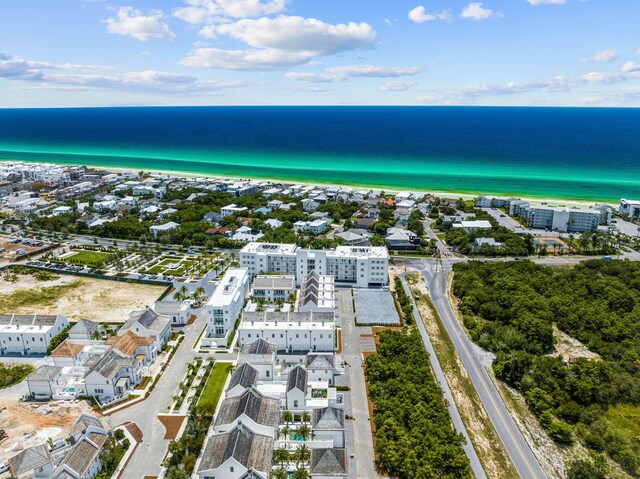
(572, 153)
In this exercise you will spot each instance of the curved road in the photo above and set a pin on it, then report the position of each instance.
(523, 459)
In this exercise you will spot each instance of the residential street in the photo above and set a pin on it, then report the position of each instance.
(150, 453)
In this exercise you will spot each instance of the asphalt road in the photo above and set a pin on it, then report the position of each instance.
(521, 455)
(476, 465)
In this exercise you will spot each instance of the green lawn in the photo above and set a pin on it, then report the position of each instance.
(89, 258)
(213, 389)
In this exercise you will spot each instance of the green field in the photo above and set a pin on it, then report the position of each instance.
(213, 389)
(87, 258)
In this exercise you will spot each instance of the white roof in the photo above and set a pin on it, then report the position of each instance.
(476, 224)
(270, 248)
(228, 289)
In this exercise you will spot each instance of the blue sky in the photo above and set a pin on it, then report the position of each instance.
(395, 52)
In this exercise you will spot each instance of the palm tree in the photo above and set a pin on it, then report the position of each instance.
(284, 433)
(198, 293)
(182, 293)
(300, 473)
(305, 416)
(281, 456)
(287, 417)
(304, 432)
(279, 473)
(302, 454)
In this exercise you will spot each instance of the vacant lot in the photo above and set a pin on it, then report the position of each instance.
(28, 426)
(76, 297)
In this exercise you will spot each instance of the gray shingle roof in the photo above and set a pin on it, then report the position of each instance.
(109, 364)
(253, 474)
(297, 379)
(259, 346)
(328, 418)
(319, 361)
(81, 457)
(249, 449)
(84, 326)
(329, 462)
(245, 375)
(29, 459)
(83, 422)
(147, 318)
(263, 410)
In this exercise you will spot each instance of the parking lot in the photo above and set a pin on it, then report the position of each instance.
(375, 307)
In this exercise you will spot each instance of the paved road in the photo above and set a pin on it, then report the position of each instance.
(149, 455)
(521, 455)
(352, 347)
(476, 466)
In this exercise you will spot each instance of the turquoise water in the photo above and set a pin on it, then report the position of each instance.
(576, 153)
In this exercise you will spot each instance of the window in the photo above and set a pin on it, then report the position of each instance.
(268, 373)
(99, 391)
(295, 403)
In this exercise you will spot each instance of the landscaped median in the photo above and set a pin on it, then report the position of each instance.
(184, 452)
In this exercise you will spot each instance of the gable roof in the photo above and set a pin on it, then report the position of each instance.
(148, 319)
(328, 418)
(259, 346)
(81, 456)
(249, 449)
(109, 364)
(44, 373)
(83, 422)
(245, 375)
(297, 379)
(329, 462)
(84, 326)
(263, 410)
(29, 459)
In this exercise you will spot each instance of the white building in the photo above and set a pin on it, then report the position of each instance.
(27, 334)
(225, 305)
(362, 266)
(61, 210)
(178, 312)
(469, 226)
(149, 324)
(231, 209)
(555, 218)
(314, 227)
(273, 288)
(630, 208)
(289, 331)
(158, 229)
(317, 294)
(483, 201)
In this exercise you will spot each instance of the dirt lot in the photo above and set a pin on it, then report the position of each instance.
(27, 427)
(76, 297)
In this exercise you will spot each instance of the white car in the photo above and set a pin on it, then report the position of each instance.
(4, 467)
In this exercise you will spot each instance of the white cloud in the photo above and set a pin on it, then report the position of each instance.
(631, 67)
(604, 56)
(420, 15)
(547, 2)
(560, 83)
(44, 75)
(210, 11)
(337, 74)
(475, 11)
(395, 85)
(130, 22)
(281, 42)
(298, 34)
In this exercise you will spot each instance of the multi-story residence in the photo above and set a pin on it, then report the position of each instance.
(149, 324)
(273, 288)
(225, 304)
(317, 294)
(27, 334)
(629, 208)
(553, 218)
(358, 265)
(289, 331)
(231, 209)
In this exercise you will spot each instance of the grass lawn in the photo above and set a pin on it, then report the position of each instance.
(88, 257)
(11, 374)
(213, 389)
(626, 419)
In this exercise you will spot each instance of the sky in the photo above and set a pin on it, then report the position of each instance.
(65, 53)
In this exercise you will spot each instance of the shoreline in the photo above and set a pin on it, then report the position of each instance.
(467, 195)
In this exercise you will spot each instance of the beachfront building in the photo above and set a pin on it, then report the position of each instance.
(630, 208)
(483, 201)
(225, 305)
(273, 288)
(27, 334)
(357, 265)
(556, 218)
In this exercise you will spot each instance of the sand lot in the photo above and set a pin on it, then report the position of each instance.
(76, 297)
(26, 426)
